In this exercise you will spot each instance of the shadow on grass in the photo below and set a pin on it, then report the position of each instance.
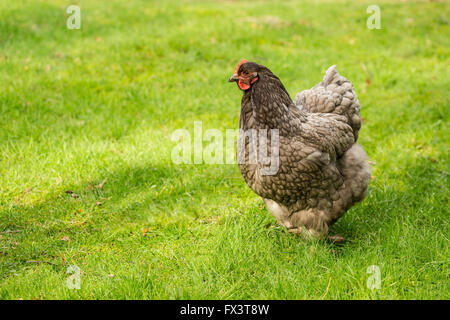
(160, 196)
(93, 214)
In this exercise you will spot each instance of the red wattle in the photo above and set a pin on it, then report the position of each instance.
(243, 85)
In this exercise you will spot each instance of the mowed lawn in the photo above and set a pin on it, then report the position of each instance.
(87, 180)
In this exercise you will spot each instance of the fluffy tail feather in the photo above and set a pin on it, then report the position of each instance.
(334, 94)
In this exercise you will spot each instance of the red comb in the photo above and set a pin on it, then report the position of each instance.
(240, 62)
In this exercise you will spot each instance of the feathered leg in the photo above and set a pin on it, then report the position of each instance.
(309, 224)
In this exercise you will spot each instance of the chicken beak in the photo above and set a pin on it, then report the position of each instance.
(233, 78)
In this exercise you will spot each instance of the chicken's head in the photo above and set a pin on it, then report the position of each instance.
(245, 75)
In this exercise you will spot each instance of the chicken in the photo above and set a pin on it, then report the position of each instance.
(321, 171)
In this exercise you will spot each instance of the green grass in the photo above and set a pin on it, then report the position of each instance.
(81, 106)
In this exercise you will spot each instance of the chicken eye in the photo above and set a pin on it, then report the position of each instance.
(246, 72)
